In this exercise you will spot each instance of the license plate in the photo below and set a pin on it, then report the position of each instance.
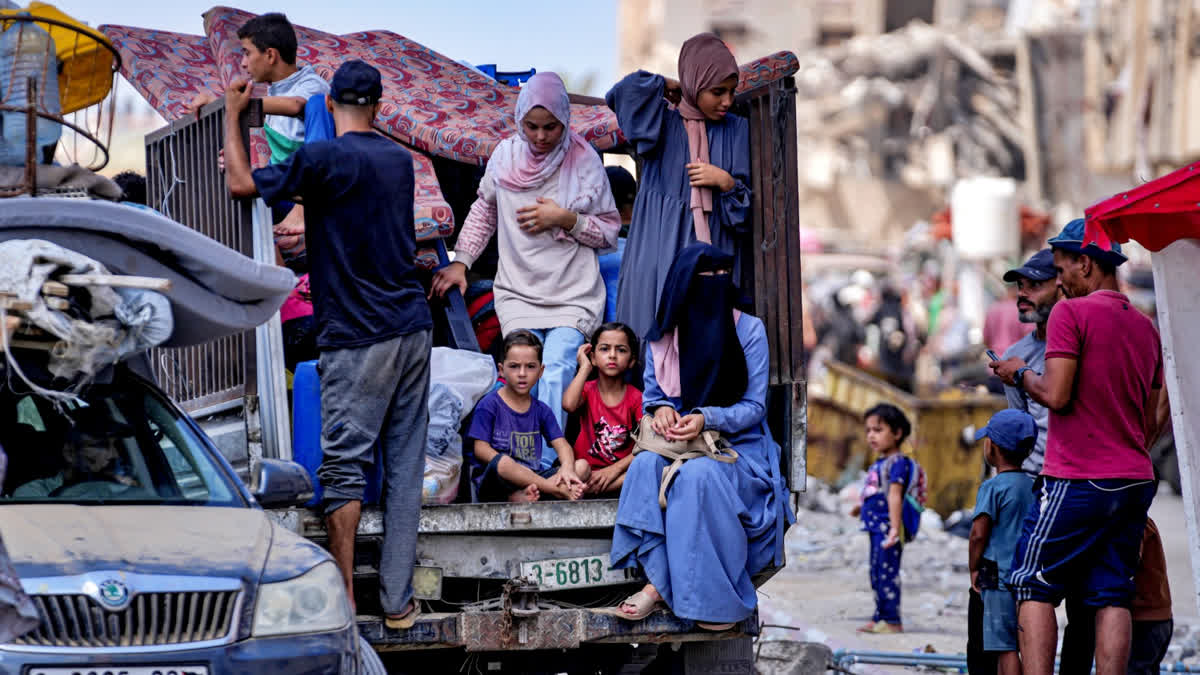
(562, 573)
(124, 670)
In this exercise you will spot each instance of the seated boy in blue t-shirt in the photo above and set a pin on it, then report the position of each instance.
(509, 428)
(1000, 509)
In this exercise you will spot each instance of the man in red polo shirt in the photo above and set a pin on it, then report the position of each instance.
(1101, 384)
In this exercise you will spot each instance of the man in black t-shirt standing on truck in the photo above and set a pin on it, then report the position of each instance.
(374, 326)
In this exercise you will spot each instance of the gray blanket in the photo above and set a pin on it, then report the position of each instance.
(215, 291)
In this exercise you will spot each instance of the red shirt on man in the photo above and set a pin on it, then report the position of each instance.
(1102, 431)
(604, 432)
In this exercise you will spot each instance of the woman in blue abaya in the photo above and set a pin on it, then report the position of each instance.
(706, 368)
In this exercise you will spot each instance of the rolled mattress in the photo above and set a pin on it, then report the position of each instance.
(215, 291)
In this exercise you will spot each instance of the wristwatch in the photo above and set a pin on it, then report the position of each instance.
(1019, 378)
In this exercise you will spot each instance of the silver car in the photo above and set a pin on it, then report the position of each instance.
(146, 555)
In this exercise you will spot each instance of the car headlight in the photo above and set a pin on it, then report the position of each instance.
(313, 602)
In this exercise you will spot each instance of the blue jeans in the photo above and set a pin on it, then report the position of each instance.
(559, 346)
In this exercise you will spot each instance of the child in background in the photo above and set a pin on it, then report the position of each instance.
(611, 407)
(881, 509)
(509, 428)
(1000, 509)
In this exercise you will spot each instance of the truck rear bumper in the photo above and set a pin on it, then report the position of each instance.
(548, 629)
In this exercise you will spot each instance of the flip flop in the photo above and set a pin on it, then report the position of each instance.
(641, 600)
(404, 621)
(714, 627)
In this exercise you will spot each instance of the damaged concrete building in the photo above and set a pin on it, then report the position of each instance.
(899, 99)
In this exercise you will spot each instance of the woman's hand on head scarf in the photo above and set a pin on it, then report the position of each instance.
(672, 90)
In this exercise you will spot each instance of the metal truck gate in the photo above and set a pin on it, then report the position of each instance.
(184, 182)
(770, 265)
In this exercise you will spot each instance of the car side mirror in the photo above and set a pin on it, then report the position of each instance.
(279, 483)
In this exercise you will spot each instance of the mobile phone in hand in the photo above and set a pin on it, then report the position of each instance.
(992, 355)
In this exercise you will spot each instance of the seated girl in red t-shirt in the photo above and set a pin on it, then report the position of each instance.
(609, 407)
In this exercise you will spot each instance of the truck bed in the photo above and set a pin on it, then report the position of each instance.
(477, 550)
(559, 516)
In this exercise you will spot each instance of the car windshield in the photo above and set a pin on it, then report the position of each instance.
(123, 444)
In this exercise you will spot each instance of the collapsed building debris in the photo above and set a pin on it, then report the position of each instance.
(921, 105)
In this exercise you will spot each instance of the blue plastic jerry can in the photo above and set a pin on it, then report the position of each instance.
(306, 434)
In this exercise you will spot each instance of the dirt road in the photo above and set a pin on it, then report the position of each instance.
(824, 594)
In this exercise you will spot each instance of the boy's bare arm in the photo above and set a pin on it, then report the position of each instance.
(508, 468)
(484, 452)
(571, 484)
(237, 162)
(566, 455)
(981, 532)
(291, 106)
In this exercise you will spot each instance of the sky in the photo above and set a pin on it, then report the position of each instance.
(576, 39)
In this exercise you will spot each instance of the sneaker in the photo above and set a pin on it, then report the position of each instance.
(885, 627)
(868, 627)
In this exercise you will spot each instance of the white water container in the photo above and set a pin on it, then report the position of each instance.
(27, 50)
(986, 222)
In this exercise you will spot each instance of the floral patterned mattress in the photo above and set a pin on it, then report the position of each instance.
(431, 103)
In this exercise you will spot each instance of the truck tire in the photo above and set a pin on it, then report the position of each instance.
(729, 657)
(369, 662)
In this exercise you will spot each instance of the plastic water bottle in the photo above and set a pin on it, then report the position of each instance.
(27, 50)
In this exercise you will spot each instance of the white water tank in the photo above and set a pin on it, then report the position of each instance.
(986, 221)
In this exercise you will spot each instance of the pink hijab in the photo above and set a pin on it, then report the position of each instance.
(704, 61)
(518, 168)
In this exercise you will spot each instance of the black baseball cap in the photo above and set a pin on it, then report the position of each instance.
(1039, 267)
(356, 83)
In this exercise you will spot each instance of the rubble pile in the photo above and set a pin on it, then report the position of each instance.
(919, 104)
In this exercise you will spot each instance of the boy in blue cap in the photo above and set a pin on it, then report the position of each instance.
(1101, 383)
(1000, 509)
(374, 328)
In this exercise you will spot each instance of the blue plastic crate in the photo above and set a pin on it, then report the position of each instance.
(513, 78)
(306, 433)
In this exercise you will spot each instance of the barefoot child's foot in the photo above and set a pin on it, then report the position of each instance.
(529, 494)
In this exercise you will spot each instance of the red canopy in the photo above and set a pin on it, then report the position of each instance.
(1155, 214)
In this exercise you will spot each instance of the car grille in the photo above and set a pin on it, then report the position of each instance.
(150, 619)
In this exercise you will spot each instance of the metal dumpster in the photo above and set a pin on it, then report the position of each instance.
(837, 447)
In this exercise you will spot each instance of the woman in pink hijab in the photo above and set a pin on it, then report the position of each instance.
(695, 173)
(545, 195)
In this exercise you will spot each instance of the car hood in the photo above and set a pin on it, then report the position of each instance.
(64, 539)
